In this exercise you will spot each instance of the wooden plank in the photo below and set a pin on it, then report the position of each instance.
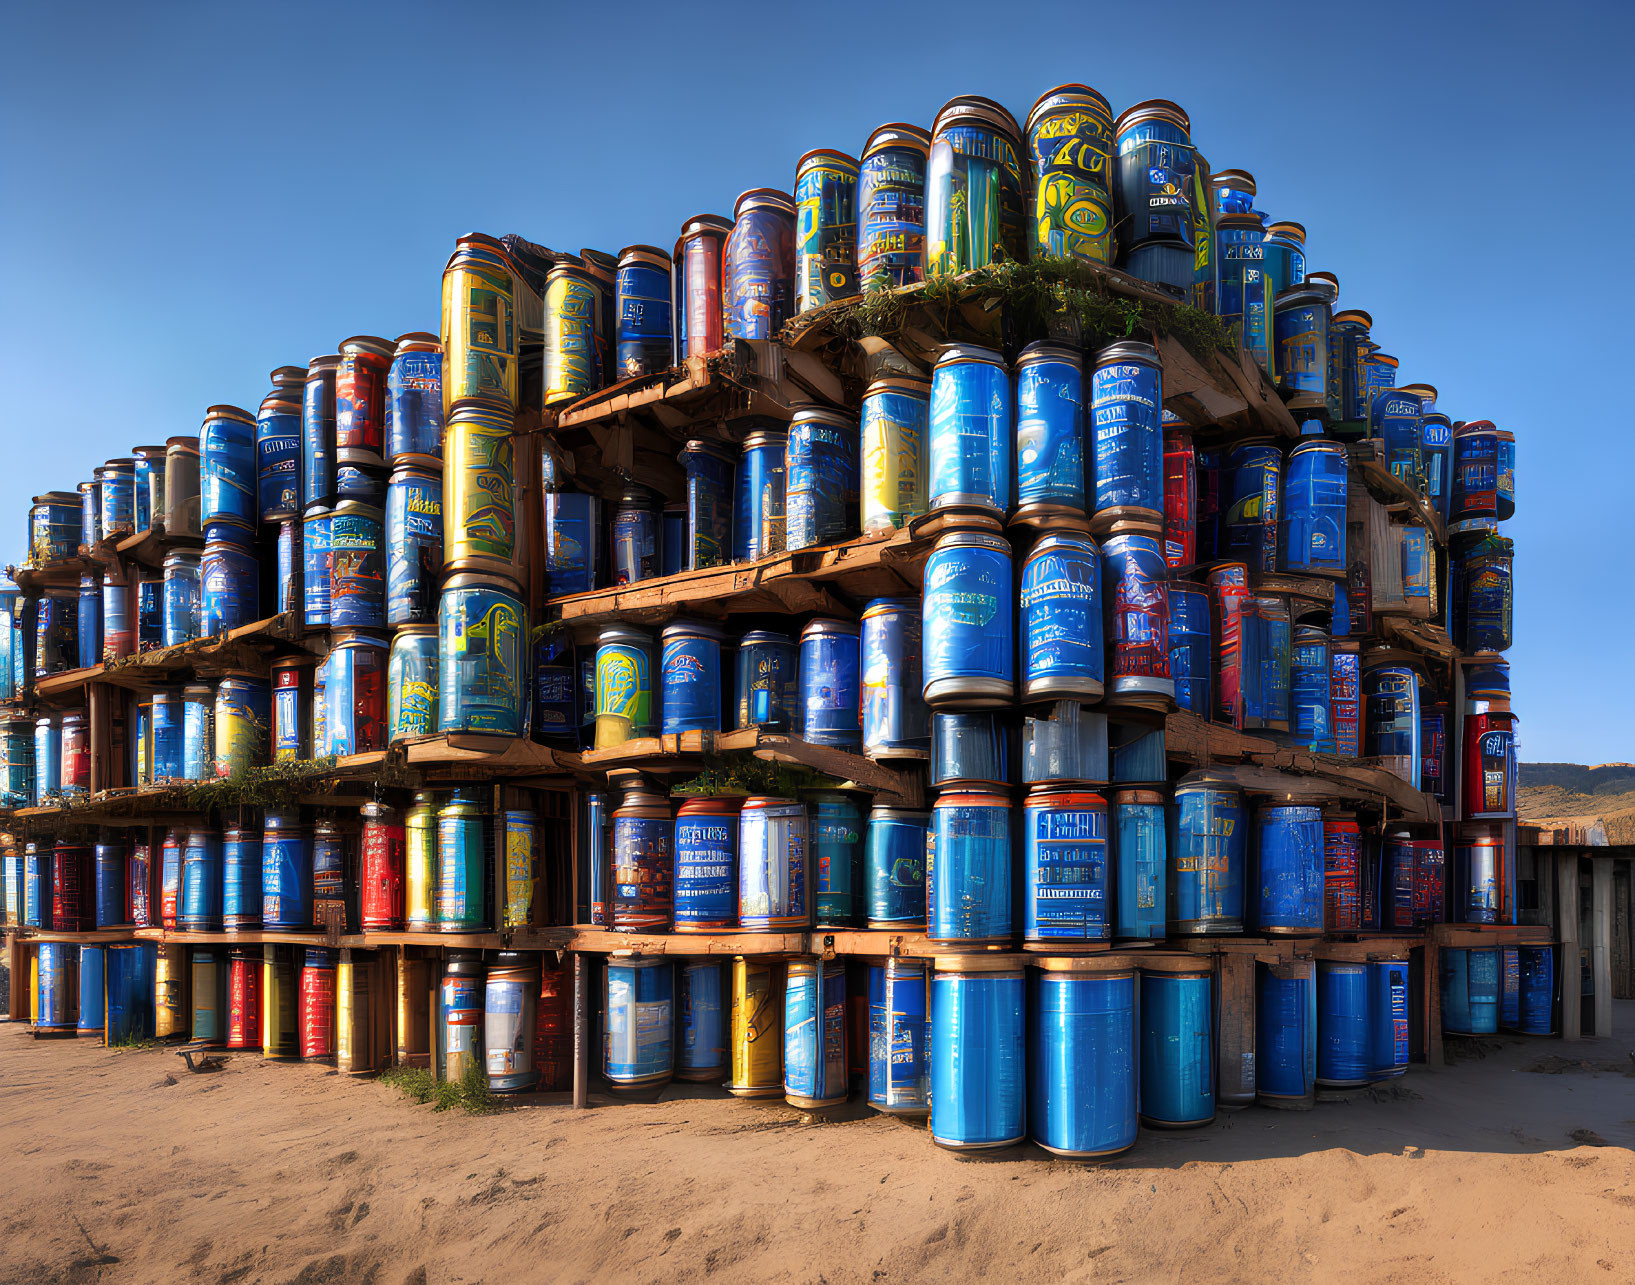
(1601, 943)
(581, 1031)
(1392, 490)
(1570, 963)
(604, 942)
(1431, 980)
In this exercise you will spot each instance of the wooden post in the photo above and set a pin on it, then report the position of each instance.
(581, 1031)
(17, 962)
(100, 732)
(1601, 942)
(1567, 920)
(1431, 981)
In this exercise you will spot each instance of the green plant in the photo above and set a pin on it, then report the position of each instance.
(470, 1092)
(746, 774)
(272, 785)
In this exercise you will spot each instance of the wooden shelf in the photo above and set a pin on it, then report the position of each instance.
(63, 573)
(1481, 935)
(603, 941)
(1391, 490)
(246, 648)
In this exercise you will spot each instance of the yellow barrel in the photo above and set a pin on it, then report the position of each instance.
(479, 517)
(757, 1029)
(33, 987)
(278, 1006)
(480, 333)
(170, 1016)
(420, 863)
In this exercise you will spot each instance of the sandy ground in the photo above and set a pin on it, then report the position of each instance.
(120, 1166)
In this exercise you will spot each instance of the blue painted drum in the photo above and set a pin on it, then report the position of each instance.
(975, 180)
(837, 849)
(575, 545)
(642, 316)
(702, 1056)
(1536, 1007)
(706, 865)
(814, 1033)
(1289, 843)
(1234, 191)
(1126, 404)
(1082, 1086)
(1049, 432)
(635, 538)
(414, 544)
(481, 624)
(198, 732)
(969, 749)
(1311, 722)
(759, 515)
(774, 866)
(92, 1013)
(1391, 724)
(830, 684)
(278, 446)
(1253, 487)
(707, 539)
(1191, 646)
(88, 622)
(1161, 197)
(1208, 842)
(899, 1038)
(825, 228)
(116, 480)
(690, 677)
(638, 1039)
(1394, 417)
(968, 868)
(200, 902)
(1139, 862)
(315, 565)
(462, 859)
(1177, 1063)
(414, 398)
(768, 685)
(55, 969)
(1245, 297)
(967, 645)
(891, 207)
(1286, 1035)
(758, 264)
(182, 605)
(1065, 868)
(1474, 486)
(895, 429)
(1300, 332)
(411, 683)
(896, 721)
(357, 567)
(229, 588)
(1436, 443)
(242, 866)
(1063, 656)
(90, 512)
(318, 430)
(894, 867)
(978, 1055)
(113, 908)
(971, 432)
(1470, 990)
(1342, 1024)
(1387, 1018)
(1135, 602)
(227, 467)
(1312, 517)
(820, 478)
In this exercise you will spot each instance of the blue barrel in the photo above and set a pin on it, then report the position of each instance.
(894, 867)
(1191, 646)
(759, 518)
(278, 446)
(1473, 490)
(1394, 417)
(821, 478)
(1311, 722)
(774, 875)
(978, 1057)
(830, 684)
(899, 1038)
(825, 228)
(113, 908)
(414, 546)
(1064, 868)
(240, 723)
(710, 469)
(1177, 1061)
(1300, 354)
(88, 622)
(116, 480)
(229, 588)
(462, 859)
(411, 683)
(758, 266)
(896, 722)
(968, 868)
(118, 628)
(481, 626)
(1160, 194)
(638, 1040)
(150, 485)
(90, 512)
(1126, 405)
(1252, 490)
(169, 737)
(1537, 998)
(414, 398)
(635, 538)
(55, 525)
(318, 430)
(642, 321)
(1391, 722)
(357, 571)
(1289, 843)
(814, 1033)
(37, 886)
(895, 423)
(1312, 516)
(170, 877)
(968, 652)
(227, 467)
(286, 874)
(1208, 843)
(971, 432)
(1483, 595)
(556, 709)
(1388, 1018)
(16, 762)
(1049, 432)
(1470, 990)
(705, 1017)
(706, 865)
(11, 894)
(1062, 652)
(836, 829)
(1344, 1029)
(1286, 1035)
(150, 613)
(1082, 1089)
(128, 979)
(56, 961)
(47, 761)
(198, 732)
(768, 684)
(976, 174)
(1392, 908)
(92, 969)
(1139, 861)
(969, 749)
(690, 677)
(241, 899)
(1245, 297)
(891, 207)
(200, 905)
(183, 606)
(1136, 610)
(316, 522)
(575, 552)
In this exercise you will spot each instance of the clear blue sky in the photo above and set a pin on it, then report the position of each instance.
(195, 194)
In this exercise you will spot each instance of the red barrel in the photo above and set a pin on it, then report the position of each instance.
(244, 1000)
(73, 895)
(1489, 779)
(383, 856)
(1228, 591)
(1180, 496)
(317, 1006)
(1342, 873)
(360, 399)
(553, 1038)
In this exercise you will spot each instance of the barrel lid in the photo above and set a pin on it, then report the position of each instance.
(1238, 180)
(1105, 969)
(1127, 350)
(972, 109)
(888, 813)
(568, 266)
(703, 446)
(880, 606)
(1153, 109)
(1208, 778)
(1051, 541)
(403, 631)
(972, 540)
(1384, 359)
(492, 581)
(757, 802)
(766, 437)
(1049, 350)
(705, 224)
(1064, 796)
(828, 157)
(228, 412)
(599, 263)
(358, 506)
(180, 556)
(808, 411)
(479, 410)
(367, 343)
(645, 254)
(715, 805)
(143, 451)
(1326, 278)
(289, 375)
(320, 364)
(356, 638)
(1354, 315)
(1424, 390)
(764, 198)
(687, 628)
(825, 625)
(1306, 445)
(1066, 96)
(412, 463)
(954, 353)
(912, 385)
(998, 965)
(897, 134)
(82, 488)
(624, 634)
(419, 341)
(1289, 230)
(300, 661)
(1248, 221)
(1302, 292)
(765, 636)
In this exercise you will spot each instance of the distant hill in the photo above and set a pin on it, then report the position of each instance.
(1603, 778)
(1599, 798)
